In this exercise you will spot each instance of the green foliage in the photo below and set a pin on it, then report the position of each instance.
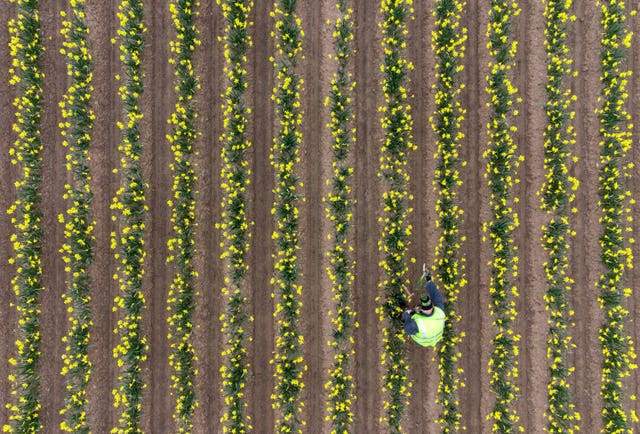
(181, 299)
(339, 211)
(556, 200)
(130, 207)
(26, 216)
(616, 220)
(235, 177)
(397, 124)
(77, 250)
(448, 43)
(501, 175)
(288, 360)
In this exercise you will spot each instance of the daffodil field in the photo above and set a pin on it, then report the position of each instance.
(213, 213)
(26, 217)
(448, 42)
(393, 244)
(129, 207)
(558, 195)
(235, 225)
(182, 294)
(287, 356)
(501, 175)
(339, 210)
(615, 200)
(77, 250)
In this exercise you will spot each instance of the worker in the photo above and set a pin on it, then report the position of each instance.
(425, 323)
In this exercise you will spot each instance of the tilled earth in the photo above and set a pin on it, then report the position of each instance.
(316, 69)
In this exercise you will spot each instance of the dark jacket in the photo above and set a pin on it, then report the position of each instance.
(410, 326)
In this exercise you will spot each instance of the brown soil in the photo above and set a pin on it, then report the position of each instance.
(316, 69)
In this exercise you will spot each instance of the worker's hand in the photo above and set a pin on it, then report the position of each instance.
(403, 303)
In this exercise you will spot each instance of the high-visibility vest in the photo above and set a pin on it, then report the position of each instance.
(430, 328)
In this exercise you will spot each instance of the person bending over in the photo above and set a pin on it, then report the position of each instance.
(425, 322)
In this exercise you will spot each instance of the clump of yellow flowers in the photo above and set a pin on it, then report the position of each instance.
(26, 75)
(339, 201)
(181, 246)
(77, 250)
(447, 41)
(393, 244)
(559, 136)
(616, 221)
(129, 206)
(287, 358)
(235, 179)
(501, 175)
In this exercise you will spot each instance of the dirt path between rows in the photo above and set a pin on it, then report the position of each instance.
(530, 78)
(585, 263)
(367, 377)
(54, 176)
(101, 19)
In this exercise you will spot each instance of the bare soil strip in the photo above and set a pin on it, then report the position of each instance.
(101, 22)
(423, 363)
(473, 300)
(157, 103)
(53, 320)
(209, 62)
(368, 408)
(315, 153)
(476, 320)
(530, 78)
(260, 77)
(585, 258)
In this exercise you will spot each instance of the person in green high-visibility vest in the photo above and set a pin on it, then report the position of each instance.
(425, 323)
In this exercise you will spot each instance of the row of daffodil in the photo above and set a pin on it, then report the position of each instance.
(616, 220)
(557, 198)
(77, 250)
(181, 245)
(448, 41)
(26, 76)
(501, 174)
(341, 395)
(287, 357)
(397, 125)
(129, 206)
(234, 225)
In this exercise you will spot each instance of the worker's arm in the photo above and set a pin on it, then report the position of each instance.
(434, 294)
(410, 326)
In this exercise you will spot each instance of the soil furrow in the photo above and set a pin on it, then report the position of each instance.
(471, 297)
(423, 362)
(476, 320)
(103, 151)
(368, 408)
(53, 320)
(261, 84)
(529, 77)
(208, 64)
(314, 153)
(584, 258)
(157, 104)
